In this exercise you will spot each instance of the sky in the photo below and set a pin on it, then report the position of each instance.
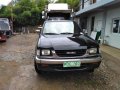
(4, 2)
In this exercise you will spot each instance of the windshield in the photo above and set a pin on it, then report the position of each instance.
(59, 28)
(4, 25)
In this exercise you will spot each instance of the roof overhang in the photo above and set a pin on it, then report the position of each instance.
(97, 7)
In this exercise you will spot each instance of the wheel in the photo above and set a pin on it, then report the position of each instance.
(36, 68)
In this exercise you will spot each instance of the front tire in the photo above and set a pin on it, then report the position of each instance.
(91, 71)
(36, 68)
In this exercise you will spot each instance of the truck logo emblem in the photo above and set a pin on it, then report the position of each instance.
(71, 52)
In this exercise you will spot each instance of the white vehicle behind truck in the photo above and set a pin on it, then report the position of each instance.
(5, 26)
(55, 11)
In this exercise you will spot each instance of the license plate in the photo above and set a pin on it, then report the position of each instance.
(72, 64)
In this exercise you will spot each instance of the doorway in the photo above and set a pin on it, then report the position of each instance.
(92, 23)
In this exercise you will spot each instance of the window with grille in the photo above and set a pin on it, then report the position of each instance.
(116, 26)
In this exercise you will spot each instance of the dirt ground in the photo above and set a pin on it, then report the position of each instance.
(17, 70)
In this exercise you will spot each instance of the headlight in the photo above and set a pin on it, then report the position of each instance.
(45, 52)
(92, 51)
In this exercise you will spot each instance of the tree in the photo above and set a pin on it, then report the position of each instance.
(73, 3)
(51, 1)
(5, 12)
(62, 1)
(27, 13)
(36, 16)
(2, 9)
(41, 4)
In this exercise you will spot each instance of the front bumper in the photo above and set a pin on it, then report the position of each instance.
(61, 61)
(3, 38)
(57, 64)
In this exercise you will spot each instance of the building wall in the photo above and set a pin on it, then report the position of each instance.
(88, 3)
(111, 38)
(88, 6)
(103, 19)
(98, 24)
(104, 22)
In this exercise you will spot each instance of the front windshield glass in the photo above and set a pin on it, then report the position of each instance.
(58, 28)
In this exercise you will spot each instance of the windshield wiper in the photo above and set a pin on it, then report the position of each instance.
(66, 33)
(51, 34)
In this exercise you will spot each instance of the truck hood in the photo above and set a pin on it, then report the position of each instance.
(66, 42)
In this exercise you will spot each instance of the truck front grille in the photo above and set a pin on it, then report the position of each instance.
(70, 53)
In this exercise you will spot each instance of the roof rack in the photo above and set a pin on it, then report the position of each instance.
(57, 10)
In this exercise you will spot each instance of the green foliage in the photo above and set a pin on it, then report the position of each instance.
(41, 4)
(2, 9)
(62, 1)
(73, 3)
(28, 12)
(5, 12)
(24, 12)
(35, 16)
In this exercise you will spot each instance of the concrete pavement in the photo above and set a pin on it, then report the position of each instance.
(111, 51)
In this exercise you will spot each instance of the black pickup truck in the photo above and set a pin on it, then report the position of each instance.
(62, 46)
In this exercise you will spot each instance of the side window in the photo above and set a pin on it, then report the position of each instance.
(116, 26)
(92, 1)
